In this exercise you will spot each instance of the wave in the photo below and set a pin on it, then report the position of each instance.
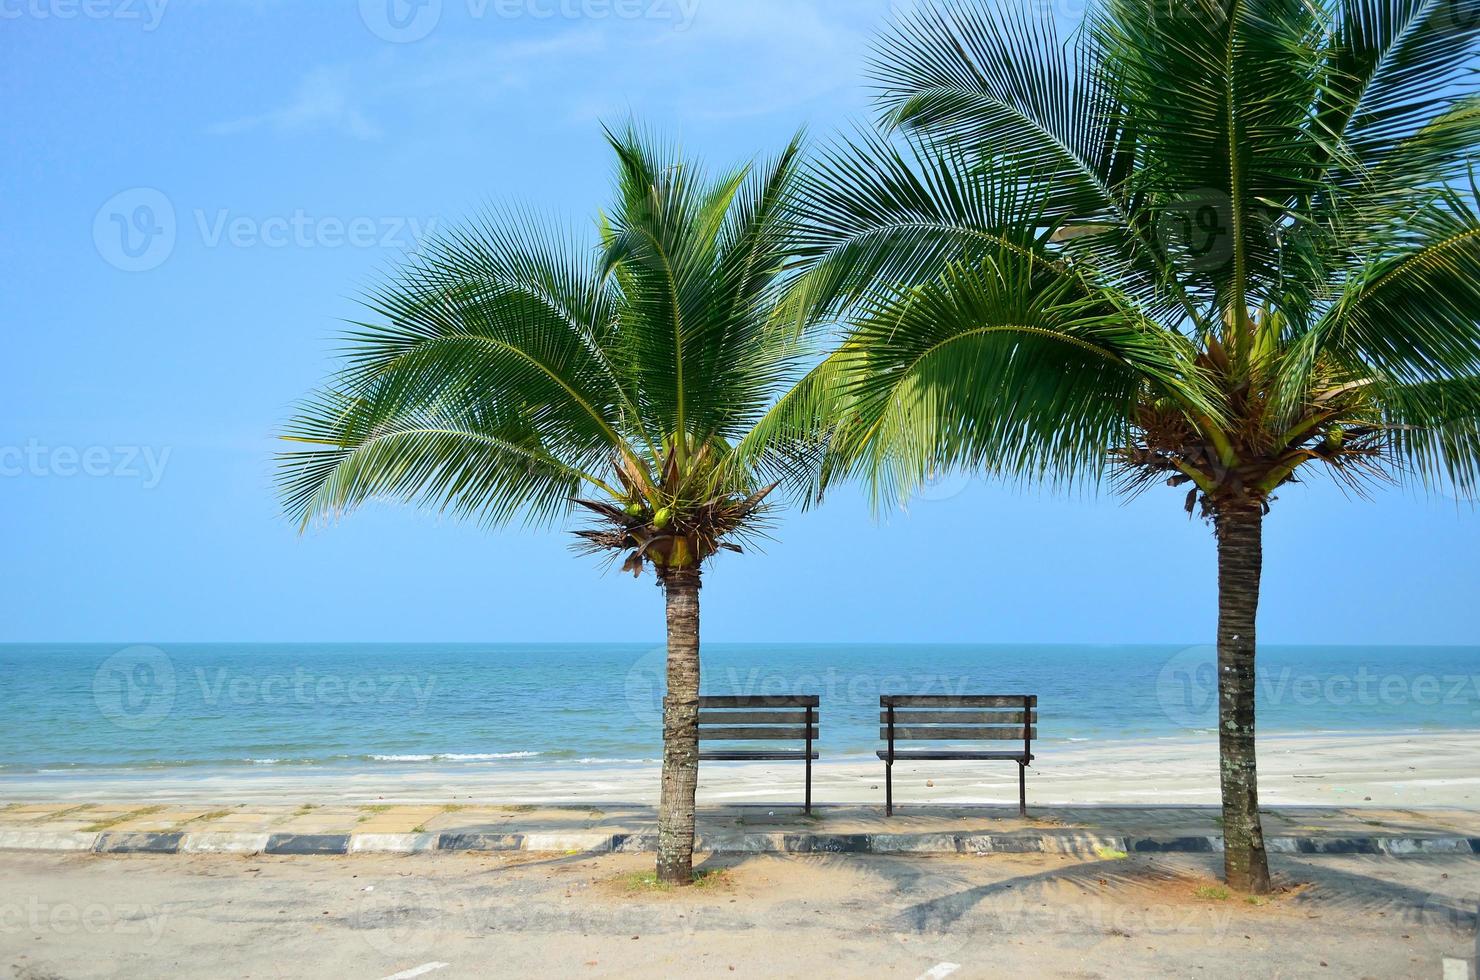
(454, 757)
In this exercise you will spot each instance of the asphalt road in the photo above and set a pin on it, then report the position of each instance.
(450, 916)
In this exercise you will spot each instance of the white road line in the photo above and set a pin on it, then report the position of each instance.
(417, 971)
(939, 970)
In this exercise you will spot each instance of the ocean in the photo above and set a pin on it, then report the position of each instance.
(101, 708)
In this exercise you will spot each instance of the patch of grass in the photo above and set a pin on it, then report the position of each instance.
(458, 807)
(66, 812)
(1256, 901)
(419, 829)
(1212, 893)
(647, 881)
(102, 825)
(376, 808)
(305, 808)
(519, 808)
(1109, 854)
(212, 815)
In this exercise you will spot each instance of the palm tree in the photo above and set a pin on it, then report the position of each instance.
(1220, 244)
(505, 373)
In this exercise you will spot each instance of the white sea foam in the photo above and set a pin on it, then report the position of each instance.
(611, 762)
(456, 757)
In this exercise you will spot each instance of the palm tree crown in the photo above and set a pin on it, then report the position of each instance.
(508, 373)
(1221, 239)
(1214, 243)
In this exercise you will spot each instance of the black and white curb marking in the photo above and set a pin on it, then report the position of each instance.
(1081, 845)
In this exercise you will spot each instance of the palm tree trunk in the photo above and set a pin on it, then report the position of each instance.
(1240, 527)
(680, 730)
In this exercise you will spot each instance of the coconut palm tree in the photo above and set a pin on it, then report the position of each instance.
(505, 373)
(1217, 244)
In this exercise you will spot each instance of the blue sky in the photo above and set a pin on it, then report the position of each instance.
(192, 195)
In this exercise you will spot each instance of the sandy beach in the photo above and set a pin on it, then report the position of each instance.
(1393, 770)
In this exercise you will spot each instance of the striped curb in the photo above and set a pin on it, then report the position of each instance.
(568, 843)
(138, 843)
(392, 843)
(481, 842)
(223, 843)
(305, 844)
(46, 840)
(1081, 845)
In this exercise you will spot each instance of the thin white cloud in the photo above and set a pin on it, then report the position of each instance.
(322, 103)
(734, 59)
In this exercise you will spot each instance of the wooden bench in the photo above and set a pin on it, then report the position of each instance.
(958, 718)
(783, 718)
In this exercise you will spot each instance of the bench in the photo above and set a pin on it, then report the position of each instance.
(783, 718)
(958, 718)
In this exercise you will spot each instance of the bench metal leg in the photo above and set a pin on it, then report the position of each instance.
(888, 789)
(1022, 790)
(808, 807)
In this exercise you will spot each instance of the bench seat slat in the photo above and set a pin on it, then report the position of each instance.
(740, 734)
(908, 733)
(783, 717)
(957, 700)
(908, 716)
(762, 701)
(758, 755)
(963, 756)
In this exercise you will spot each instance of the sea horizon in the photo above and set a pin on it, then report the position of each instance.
(99, 708)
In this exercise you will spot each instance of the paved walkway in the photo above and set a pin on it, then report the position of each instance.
(308, 829)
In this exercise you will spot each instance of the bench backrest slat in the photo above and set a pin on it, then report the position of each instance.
(797, 716)
(983, 733)
(907, 716)
(957, 700)
(762, 701)
(759, 718)
(958, 718)
(740, 734)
